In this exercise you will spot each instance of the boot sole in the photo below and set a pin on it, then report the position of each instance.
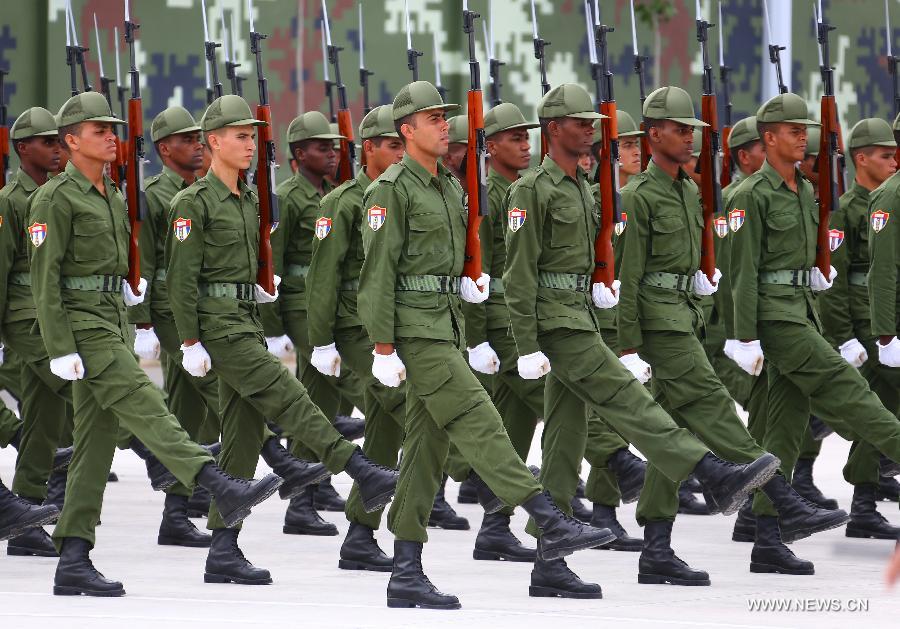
(408, 604)
(165, 484)
(208, 577)
(449, 527)
(22, 551)
(378, 502)
(558, 552)
(288, 491)
(858, 534)
(69, 590)
(350, 564)
(658, 579)
(22, 527)
(296, 530)
(269, 485)
(174, 541)
(793, 536)
(624, 549)
(490, 555)
(762, 477)
(767, 568)
(541, 591)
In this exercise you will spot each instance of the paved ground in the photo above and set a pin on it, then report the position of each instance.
(165, 585)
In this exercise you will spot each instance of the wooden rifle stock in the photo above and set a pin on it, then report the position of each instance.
(268, 208)
(475, 182)
(134, 190)
(345, 163)
(709, 187)
(727, 159)
(827, 165)
(604, 258)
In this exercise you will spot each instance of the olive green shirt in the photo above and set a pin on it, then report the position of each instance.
(778, 232)
(86, 233)
(557, 236)
(423, 233)
(665, 225)
(221, 246)
(337, 259)
(16, 301)
(884, 257)
(723, 299)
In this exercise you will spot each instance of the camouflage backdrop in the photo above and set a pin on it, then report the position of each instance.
(170, 50)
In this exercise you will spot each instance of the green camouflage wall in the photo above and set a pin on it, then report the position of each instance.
(170, 50)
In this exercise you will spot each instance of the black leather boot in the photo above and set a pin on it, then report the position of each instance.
(580, 512)
(75, 574)
(496, 542)
(580, 489)
(629, 470)
(176, 529)
(693, 485)
(409, 587)
(689, 504)
(726, 485)
(561, 534)
(302, 518)
(350, 427)
(18, 516)
(556, 579)
(297, 473)
(604, 517)
(326, 497)
(360, 551)
(198, 503)
(62, 458)
(865, 521)
(818, 429)
(745, 524)
(797, 516)
(35, 542)
(236, 496)
(888, 467)
(56, 489)
(226, 563)
(467, 494)
(376, 483)
(802, 481)
(888, 489)
(443, 516)
(659, 564)
(770, 555)
(486, 498)
(160, 478)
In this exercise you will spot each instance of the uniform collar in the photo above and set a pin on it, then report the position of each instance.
(859, 189)
(769, 172)
(305, 183)
(556, 173)
(81, 181)
(363, 179)
(498, 179)
(174, 178)
(28, 184)
(421, 173)
(221, 190)
(658, 174)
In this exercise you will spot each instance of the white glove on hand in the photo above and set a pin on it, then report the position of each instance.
(818, 282)
(146, 345)
(262, 297)
(703, 287)
(327, 360)
(484, 359)
(889, 354)
(749, 357)
(604, 297)
(388, 369)
(533, 366)
(730, 345)
(128, 295)
(636, 365)
(471, 291)
(68, 367)
(854, 353)
(195, 360)
(280, 346)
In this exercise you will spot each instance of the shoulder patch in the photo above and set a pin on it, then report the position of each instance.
(835, 239)
(377, 215)
(182, 228)
(323, 227)
(38, 233)
(879, 220)
(516, 218)
(622, 224)
(720, 224)
(736, 219)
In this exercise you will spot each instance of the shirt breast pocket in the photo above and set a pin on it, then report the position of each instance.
(93, 240)
(427, 234)
(781, 232)
(564, 224)
(668, 235)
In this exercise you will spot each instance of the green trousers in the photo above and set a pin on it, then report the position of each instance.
(254, 386)
(520, 402)
(10, 379)
(115, 391)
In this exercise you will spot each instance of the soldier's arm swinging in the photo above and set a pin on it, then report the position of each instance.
(325, 271)
(185, 259)
(520, 277)
(633, 243)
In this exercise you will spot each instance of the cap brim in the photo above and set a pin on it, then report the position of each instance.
(888, 143)
(587, 115)
(629, 134)
(252, 122)
(192, 129)
(111, 119)
(691, 122)
(806, 121)
(445, 107)
(523, 125)
(44, 133)
(326, 136)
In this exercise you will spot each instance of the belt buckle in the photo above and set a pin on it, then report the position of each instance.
(444, 283)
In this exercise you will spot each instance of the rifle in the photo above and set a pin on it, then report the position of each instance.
(476, 155)
(724, 71)
(347, 159)
(364, 75)
(592, 55)
(329, 84)
(493, 63)
(4, 133)
(539, 45)
(134, 173)
(120, 88)
(708, 163)
(412, 55)
(774, 50)
(639, 61)
(117, 171)
(210, 54)
(437, 72)
(77, 51)
(265, 167)
(892, 63)
(230, 64)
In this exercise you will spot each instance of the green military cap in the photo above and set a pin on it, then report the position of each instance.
(378, 123)
(698, 142)
(313, 125)
(743, 131)
(228, 111)
(671, 103)
(568, 101)
(171, 121)
(625, 126)
(813, 137)
(786, 107)
(504, 117)
(419, 96)
(459, 129)
(86, 107)
(33, 122)
(871, 132)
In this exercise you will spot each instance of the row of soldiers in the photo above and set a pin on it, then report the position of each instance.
(454, 372)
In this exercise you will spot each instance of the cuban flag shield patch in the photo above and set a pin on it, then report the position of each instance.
(182, 228)
(38, 233)
(516, 218)
(621, 225)
(377, 215)
(721, 226)
(736, 219)
(835, 239)
(879, 219)
(323, 227)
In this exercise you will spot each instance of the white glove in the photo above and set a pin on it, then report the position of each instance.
(730, 344)
(636, 365)
(195, 360)
(146, 345)
(818, 282)
(471, 291)
(388, 369)
(889, 354)
(280, 346)
(703, 287)
(327, 360)
(262, 297)
(533, 366)
(128, 295)
(484, 359)
(749, 357)
(854, 353)
(604, 297)
(68, 367)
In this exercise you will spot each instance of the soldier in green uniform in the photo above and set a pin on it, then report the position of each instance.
(211, 274)
(78, 226)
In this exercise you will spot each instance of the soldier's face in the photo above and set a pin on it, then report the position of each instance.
(184, 149)
(808, 168)
(674, 141)
(751, 159)
(234, 146)
(510, 148)
(429, 133)
(42, 152)
(454, 157)
(95, 141)
(630, 156)
(879, 164)
(788, 141)
(388, 151)
(319, 157)
(691, 169)
(573, 135)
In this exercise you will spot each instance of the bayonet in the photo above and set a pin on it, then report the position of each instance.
(210, 53)
(412, 55)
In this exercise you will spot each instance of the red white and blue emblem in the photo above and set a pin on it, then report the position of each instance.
(516, 218)
(323, 227)
(621, 225)
(182, 228)
(880, 219)
(377, 216)
(38, 233)
(736, 219)
(835, 239)
(721, 226)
